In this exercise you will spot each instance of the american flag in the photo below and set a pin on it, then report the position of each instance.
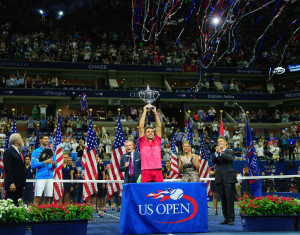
(96, 139)
(89, 162)
(7, 144)
(7, 139)
(174, 163)
(13, 131)
(14, 126)
(57, 147)
(203, 165)
(118, 151)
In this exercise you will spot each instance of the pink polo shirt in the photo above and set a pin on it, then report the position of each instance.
(150, 153)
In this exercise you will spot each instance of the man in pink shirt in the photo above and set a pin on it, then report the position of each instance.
(150, 149)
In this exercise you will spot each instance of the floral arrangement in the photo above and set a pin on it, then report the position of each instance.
(60, 212)
(268, 205)
(9, 213)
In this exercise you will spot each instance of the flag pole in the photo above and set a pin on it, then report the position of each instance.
(58, 112)
(221, 130)
(247, 116)
(189, 112)
(14, 117)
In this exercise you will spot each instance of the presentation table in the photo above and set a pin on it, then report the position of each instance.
(164, 208)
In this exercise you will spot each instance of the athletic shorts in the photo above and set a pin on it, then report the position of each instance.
(44, 185)
(153, 175)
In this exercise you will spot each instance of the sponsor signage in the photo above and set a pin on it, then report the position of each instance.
(294, 68)
(134, 94)
(278, 70)
(123, 67)
(164, 208)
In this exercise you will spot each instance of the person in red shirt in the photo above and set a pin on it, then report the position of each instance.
(150, 149)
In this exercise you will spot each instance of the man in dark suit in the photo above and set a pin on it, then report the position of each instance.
(225, 179)
(14, 169)
(130, 163)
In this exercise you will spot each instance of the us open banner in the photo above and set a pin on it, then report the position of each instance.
(164, 208)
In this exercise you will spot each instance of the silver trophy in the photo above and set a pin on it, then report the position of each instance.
(148, 96)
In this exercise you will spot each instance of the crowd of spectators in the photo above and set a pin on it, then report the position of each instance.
(268, 148)
(267, 116)
(114, 45)
(107, 47)
(281, 184)
(204, 124)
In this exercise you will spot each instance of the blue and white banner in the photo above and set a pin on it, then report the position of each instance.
(252, 163)
(164, 208)
(121, 67)
(62, 92)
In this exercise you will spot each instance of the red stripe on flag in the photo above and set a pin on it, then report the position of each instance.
(58, 187)
(221, 133)
(114, 173)
(90, 173)
(204, 173)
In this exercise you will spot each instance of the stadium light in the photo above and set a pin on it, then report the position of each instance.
(60, 14)
(216, 20)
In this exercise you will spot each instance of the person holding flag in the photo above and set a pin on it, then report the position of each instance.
(150, 148)
(225, 179)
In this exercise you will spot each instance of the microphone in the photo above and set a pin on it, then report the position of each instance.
(128, 155)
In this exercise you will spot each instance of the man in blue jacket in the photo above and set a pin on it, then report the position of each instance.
(130, 163)
(44, 172)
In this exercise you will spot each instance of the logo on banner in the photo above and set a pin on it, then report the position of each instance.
(278, 70)
(173, 202)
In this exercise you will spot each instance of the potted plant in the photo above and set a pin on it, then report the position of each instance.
(12, 218)
(59, 219)
(297, 217)
(269, 213)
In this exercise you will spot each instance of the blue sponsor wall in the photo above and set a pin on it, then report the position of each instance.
(134, 94)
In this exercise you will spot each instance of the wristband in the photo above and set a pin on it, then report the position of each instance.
(155, 113)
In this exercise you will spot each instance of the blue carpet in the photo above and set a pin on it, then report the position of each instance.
(214, 227)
